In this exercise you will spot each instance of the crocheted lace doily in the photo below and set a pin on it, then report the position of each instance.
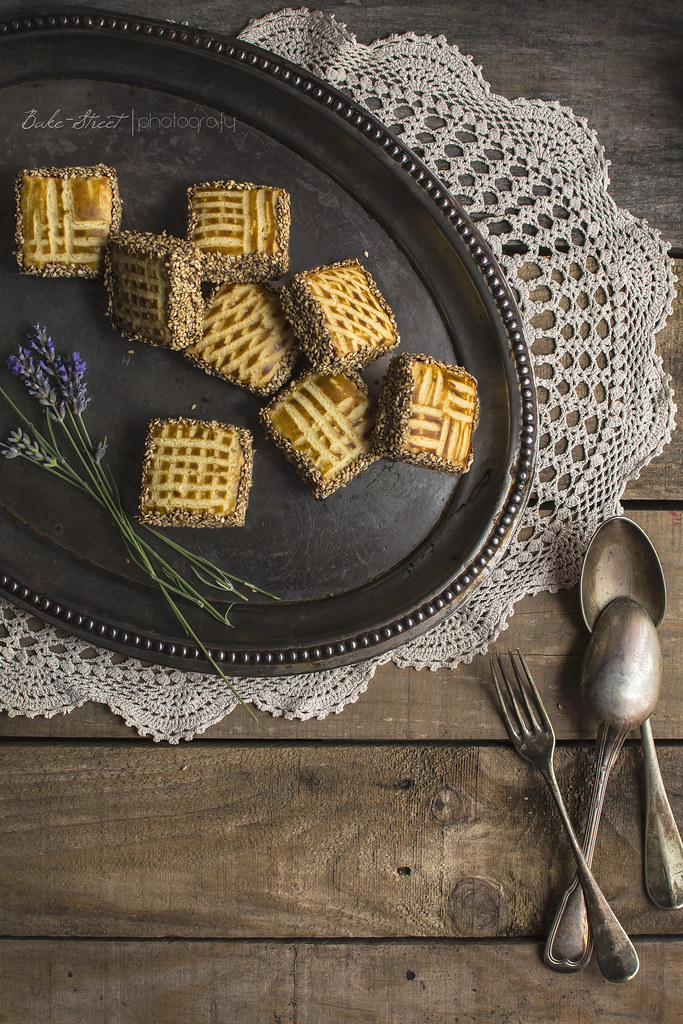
(594, 285)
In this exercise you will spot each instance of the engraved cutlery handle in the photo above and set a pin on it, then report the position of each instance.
(614, 950)
(663, 847)
(569, 944)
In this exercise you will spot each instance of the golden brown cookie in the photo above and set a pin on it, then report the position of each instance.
(195, 473)
(153, 285)
(64, 217)
(241, 230)
(324, 423)
(246, 339)
(339, 315)
(427, 413)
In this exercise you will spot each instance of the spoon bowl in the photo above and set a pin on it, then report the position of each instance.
(622, 668)
(621, 562)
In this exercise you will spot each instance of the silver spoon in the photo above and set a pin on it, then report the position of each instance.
(622, 560)
(620, 686)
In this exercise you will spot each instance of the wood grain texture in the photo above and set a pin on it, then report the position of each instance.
(616, 65)
(450, 983)
(141, 983)
(324, 983)
(307, 841)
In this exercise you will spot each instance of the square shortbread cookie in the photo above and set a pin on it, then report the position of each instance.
(339, 316)
(324, 424)
(241, 230)
(427, 413)
(64, 218)
(246, 339)
(195, 473)
(154, 288)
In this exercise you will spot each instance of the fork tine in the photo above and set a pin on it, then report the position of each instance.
(540, 707)
(524, 688)
(521, 724)
(514, 732)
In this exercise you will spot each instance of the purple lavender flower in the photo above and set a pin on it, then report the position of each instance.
(11, 447)
(101, 450)
(22, 364)
(40, 387)
(57, 382)
(42, 343)
(38, 379)
(71, 375)
(20, 445)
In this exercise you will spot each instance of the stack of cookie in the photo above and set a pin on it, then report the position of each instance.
(212, 296)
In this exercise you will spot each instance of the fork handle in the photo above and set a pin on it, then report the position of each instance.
(614, 950)
(569, 944)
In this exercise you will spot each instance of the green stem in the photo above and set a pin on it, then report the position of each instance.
(58, 471)
(193, 636)
(209, 567)
(53, 439)
(102, 495)
(145, 556)
(107, 480)
(140, 553)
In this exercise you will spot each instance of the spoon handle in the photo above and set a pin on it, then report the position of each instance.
(614, 950)
(663, 847)
(569, 944)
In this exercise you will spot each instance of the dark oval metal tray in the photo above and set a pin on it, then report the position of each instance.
(379, 561)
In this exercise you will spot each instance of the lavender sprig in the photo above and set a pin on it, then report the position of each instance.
(52, 380)
(71, 376)
(58, 384)
(20, 445)
(41, 342)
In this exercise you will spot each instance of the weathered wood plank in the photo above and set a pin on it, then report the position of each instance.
(115, 982)
(452, 704)
(307, 841)
(505, 983)
(324, 983)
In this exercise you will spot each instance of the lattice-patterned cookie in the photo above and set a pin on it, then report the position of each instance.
(340, 316)
(324, 423)
(195, 473)
(241, 229)
(427, 413)
(64, 217)
(246, 338)
(154, 287)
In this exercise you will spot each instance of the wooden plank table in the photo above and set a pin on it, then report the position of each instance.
(397, 862)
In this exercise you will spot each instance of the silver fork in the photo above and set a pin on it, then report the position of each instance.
(533, 737)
